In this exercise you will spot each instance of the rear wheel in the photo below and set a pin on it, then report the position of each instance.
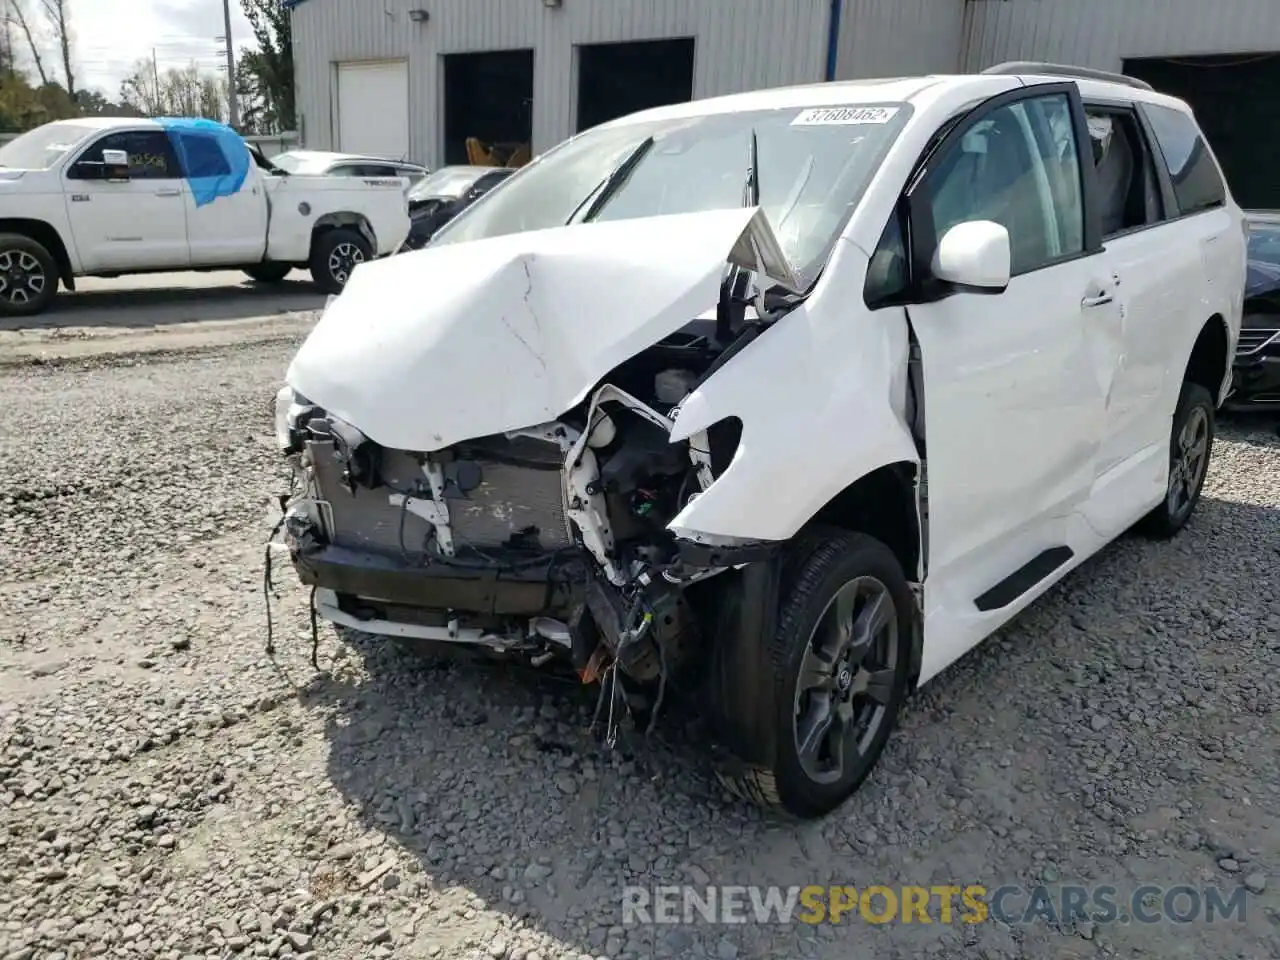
(268, 272)
(28, 276)
(1190, 447)
(843, 643)
(336, 254)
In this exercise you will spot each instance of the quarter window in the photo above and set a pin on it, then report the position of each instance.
(1019, 167)
(1197, 184)
(151, 155)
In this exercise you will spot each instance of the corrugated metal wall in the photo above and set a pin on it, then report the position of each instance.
(740, 45)
(1101, 33)
(899, 38)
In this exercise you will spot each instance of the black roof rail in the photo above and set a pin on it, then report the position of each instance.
(1016, 67)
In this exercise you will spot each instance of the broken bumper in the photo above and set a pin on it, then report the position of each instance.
(378, 587)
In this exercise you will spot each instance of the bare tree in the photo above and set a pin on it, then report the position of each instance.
(15, 14)
(187, 92)
(58, 14)
(7, 63)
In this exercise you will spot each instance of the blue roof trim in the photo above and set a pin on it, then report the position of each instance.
(290, 4)
(833, 38)
(209, 179)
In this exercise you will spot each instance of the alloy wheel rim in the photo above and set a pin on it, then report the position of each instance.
(846, 681)
(343, 260)
(1188, 460)
(22, 278)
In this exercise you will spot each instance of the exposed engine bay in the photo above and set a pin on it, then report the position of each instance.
(544, 543)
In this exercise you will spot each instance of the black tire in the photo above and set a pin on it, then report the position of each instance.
(822, 568)
(268, 272)
(1190, 449)
(28, 276)
(334, 255)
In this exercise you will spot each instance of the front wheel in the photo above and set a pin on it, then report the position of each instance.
(28, 276)
(1190, 447)
(843, 640)
(337, 253)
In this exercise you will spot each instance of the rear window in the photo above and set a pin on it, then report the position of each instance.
(1197, 184)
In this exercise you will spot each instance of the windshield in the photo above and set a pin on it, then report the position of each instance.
(448, 182)
(814, 164)
(41, 148)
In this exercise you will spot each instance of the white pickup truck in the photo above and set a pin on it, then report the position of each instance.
(108, 197)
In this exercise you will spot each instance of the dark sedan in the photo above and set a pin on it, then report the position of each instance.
(1257, 363)
(446, 193)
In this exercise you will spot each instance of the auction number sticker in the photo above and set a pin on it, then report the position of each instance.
(844, 116)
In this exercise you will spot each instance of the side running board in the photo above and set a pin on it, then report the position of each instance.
(1024, 578)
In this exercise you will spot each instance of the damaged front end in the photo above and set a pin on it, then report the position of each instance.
(544, 540)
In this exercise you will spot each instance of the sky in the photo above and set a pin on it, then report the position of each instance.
(111, 36)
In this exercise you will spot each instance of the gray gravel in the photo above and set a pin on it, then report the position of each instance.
(169, 791)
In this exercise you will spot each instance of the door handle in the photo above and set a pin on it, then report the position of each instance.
(1097, 301)
(168, 193)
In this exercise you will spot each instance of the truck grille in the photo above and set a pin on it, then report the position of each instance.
(518, 495)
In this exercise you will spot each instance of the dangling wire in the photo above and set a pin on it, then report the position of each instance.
(608, 679)
(315, 632)
(268, 586)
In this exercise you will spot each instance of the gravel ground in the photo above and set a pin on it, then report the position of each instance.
(167, 790)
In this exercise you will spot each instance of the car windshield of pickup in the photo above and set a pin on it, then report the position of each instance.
(812, 166)
(41, 148)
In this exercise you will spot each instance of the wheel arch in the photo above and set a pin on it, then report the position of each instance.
(884, 504)
(343, 219)
(881, 504)
(45, 234)
(1209, 363)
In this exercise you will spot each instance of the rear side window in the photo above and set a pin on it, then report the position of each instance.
(203, 157)
(1197, 185)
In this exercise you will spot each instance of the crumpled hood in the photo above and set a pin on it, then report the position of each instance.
(425, 349)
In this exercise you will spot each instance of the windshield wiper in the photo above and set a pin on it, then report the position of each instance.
(609, 186)
(751, 189)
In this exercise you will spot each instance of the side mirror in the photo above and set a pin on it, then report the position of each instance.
(116, 165)
(974, 256)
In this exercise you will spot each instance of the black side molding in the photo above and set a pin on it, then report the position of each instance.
(1024, 578)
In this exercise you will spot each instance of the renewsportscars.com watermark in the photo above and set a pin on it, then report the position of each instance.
(946, 904)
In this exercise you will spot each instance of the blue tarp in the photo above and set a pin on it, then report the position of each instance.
(214, 156)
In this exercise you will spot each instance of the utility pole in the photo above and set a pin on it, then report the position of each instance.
(155, 76)
(233, 111)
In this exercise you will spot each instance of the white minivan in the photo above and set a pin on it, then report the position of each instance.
(778, 402)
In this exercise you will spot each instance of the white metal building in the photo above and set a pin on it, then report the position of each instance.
(417, 78)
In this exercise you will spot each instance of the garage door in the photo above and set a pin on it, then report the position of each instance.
(373, 108)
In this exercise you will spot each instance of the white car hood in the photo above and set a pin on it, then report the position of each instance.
(425, 349)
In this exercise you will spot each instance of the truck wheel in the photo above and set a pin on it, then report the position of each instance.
(268, 272)
(336, 254)
(843, 648)
(28, 276)
(1190, 447)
